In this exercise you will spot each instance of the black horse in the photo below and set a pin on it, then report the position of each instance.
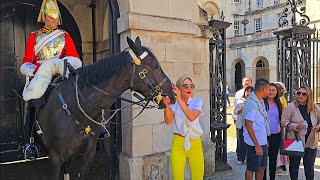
(74, 112)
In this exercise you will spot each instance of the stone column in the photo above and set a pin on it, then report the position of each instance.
(182, 49)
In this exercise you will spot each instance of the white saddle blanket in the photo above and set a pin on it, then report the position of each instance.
(39, 84)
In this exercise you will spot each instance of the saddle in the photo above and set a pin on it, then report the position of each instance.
(56, 79)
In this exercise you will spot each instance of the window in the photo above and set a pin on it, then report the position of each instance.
(259, 3)
(277, 2)
(236, 26)
(258, 24)
(237, 1)
(260, 63)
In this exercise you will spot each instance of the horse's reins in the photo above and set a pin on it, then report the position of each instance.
(142, 74)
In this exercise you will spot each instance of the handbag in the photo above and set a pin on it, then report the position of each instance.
(192, 131)
(291, 147)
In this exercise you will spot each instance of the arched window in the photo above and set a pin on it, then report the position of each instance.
(261, 64)
(262, 69)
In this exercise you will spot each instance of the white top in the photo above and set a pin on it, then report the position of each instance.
(227, 89)
(258, 126)
(179, 116)
(237, 97)
(237, 115)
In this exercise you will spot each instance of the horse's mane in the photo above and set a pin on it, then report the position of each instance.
(104, 68)
(107, 67)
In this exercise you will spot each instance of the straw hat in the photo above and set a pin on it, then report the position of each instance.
(283, 86)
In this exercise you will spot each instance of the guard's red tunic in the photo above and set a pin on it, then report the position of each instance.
(68, 50)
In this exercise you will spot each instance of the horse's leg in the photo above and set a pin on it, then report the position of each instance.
(87, 159)
(66, 170)
(55, 162)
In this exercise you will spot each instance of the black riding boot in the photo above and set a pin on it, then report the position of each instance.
(30, 150)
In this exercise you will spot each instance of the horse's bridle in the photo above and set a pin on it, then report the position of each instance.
(156, 91)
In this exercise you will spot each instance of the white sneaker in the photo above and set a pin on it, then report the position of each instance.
(281, 172)
(239, 162)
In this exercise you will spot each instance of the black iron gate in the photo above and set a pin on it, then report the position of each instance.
(218, 106)
(315, 64)
(298, 49)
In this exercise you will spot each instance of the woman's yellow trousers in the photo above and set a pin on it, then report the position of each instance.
(179, 156)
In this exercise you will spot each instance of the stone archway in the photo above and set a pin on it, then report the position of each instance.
(261, 68)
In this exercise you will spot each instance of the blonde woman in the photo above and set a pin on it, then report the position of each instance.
(184, 116)
(294, 116)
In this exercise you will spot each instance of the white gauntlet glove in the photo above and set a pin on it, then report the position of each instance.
(27, 69)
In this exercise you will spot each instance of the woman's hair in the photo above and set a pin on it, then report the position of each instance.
(310, 103)
(276, 99)
(180, 81)
(246, 89)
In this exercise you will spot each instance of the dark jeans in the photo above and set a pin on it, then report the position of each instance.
(228, 100)
(273, 149)
(308, 163)
(241, 146)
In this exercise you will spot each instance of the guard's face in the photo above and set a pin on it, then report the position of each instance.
(51, 22)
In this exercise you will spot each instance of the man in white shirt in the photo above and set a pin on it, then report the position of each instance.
(246, 81)
(241, 147)
(255, 132)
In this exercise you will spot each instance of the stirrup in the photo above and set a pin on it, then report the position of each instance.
(31, 146)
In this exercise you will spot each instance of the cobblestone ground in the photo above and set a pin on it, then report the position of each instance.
(237, 172)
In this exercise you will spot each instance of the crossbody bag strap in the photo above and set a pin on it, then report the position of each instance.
(286, 131)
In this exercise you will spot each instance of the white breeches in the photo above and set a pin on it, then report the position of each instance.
(39, 84)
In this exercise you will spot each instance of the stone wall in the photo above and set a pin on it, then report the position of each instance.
(170, 29)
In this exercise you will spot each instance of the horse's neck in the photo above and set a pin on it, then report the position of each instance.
(114, 86)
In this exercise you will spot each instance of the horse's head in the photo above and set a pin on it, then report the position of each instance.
(148, 77)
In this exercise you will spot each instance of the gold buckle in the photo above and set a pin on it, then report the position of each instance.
(31, 140)
(158, 89)
(143, 73)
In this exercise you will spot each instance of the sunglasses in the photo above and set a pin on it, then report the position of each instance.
(301, 93)
(186, 86)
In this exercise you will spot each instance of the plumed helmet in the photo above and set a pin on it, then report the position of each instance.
(50, 8)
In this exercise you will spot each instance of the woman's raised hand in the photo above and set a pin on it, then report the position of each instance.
(166, 101)
(177, 92)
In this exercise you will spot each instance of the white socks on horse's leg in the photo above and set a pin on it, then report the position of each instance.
(66, 177)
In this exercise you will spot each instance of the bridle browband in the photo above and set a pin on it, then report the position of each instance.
(155, 89)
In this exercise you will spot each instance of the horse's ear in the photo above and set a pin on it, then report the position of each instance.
(135, 48)
(138, 41)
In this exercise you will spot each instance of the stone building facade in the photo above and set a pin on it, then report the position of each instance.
(251, 44)
(170, 28)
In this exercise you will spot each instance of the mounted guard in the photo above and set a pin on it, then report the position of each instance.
(46, 50)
